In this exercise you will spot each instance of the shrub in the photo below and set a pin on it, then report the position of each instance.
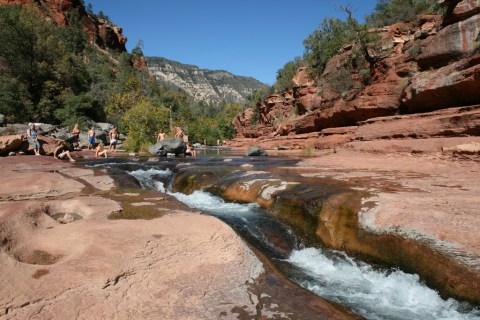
(325, 42)
(286, 74)
(142, 122)
(388, 12)
(341, 81)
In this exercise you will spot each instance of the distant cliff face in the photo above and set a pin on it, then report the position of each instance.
(211, 86)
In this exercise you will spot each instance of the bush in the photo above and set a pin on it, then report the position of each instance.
(388, 12)
(341, 81)
(286, 74)
(325, 42)
(142, 123)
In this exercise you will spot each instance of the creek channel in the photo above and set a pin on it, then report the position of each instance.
(373, 291)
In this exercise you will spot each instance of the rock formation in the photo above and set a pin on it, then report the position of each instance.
(429, 65)
(101, 31)
(210, 86)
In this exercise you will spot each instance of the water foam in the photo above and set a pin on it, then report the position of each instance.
(147, 178)
(372, 293)
(207, 202)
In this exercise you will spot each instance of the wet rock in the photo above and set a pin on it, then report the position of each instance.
(171, 145)
(67, 218)
(254, 151)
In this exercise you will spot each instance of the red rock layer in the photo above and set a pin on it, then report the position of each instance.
(104, 33)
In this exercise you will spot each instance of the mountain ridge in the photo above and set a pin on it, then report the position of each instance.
(204, 85)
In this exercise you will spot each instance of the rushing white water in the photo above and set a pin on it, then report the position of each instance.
(333, 275)
(147, 178)
(374, 294)
(206, 202)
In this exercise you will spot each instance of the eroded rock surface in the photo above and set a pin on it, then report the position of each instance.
(70, 249)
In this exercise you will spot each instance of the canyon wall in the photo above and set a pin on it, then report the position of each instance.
(428, 65)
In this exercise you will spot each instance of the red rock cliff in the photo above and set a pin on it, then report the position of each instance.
(104, 33)
(429, 64)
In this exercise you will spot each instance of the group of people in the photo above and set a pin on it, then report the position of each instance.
(179, 133)
(62, 151)
(100, 150)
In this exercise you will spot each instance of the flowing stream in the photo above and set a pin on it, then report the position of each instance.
(371, 291)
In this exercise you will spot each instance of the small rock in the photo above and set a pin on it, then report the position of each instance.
(67, 218)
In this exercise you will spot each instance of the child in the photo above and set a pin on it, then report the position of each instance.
(101, 150)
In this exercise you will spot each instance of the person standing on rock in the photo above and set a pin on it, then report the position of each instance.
(32, 137)
(179, 133)
(113, 138)
(91, 138)
(76, 136)
(161, 136)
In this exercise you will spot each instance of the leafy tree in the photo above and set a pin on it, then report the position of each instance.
(142, 122)
(119, 103)
(74, 109)
(388, 12)
(231, 110)
(325, 42)
(89, 8)
(286, 74)
(43, 61)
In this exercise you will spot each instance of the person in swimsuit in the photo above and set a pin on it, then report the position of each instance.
(91, 138)
(100, 151)
(113, 138)
(161, 136)
(76, 137)
(190, 151)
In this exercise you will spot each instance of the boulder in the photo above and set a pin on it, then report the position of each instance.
(254, 151)
(453, 85)
(450, 43)
(10, 143)
(3, 120)
(169, 145)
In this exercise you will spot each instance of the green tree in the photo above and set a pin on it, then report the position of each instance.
(286, 74)
(325, 42)
(142, 122)
(119, 103)
(74, 109)
(388, 12)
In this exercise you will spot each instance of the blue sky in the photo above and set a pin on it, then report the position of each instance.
(248, 38)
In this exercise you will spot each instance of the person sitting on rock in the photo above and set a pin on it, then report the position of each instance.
(101, 151)
(32, 137)
(61, 152)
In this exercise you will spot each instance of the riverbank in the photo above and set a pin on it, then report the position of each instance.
(414, 206)
(419, 211)
(61, 256)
